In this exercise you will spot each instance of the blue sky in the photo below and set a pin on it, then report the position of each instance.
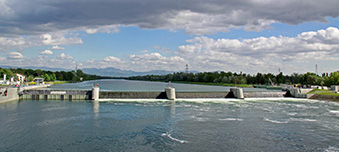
(249, 36)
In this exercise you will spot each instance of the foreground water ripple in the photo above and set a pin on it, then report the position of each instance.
(161, 125)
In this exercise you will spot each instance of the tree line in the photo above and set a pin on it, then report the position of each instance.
(326, 79)
(72, 76)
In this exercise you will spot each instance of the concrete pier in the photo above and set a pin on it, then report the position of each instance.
(237, 92)
(12, 94)
(300, 92)
(95, 93)
(170, 93)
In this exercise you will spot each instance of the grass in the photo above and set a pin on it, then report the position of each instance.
(323, 92)
(59, 82)
(329, 93)
(215, 84)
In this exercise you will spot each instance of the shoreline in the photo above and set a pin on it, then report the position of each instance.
(325, 97)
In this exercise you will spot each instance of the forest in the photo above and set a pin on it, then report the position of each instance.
(72, 76)
(326, 79)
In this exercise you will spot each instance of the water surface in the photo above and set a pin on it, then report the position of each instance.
(161, 125)
(142, 86)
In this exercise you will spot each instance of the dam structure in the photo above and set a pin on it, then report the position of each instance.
(168, 93)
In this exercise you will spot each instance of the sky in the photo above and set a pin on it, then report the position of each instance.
(249, 36)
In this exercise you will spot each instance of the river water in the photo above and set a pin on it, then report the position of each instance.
(144, 86)
(162, 125)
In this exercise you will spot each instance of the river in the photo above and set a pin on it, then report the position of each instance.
(145, 86)
(161, 125)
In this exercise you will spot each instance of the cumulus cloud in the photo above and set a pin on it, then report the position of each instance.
(196, 17)
(14, 55)
(55, 47)
(113, 59)
(22, 42)
(63, 56)
(261, 53)
(46, 52)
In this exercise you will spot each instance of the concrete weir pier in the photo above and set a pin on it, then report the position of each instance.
(95, 93)
(237, 92)
(170, 93)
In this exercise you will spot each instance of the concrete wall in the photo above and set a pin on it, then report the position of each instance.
(56, 95)
(12, 94)
(162, 95)
(335, 88)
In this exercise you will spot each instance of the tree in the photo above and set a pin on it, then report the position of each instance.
(53, 77)
(30, 78)
(46, 77)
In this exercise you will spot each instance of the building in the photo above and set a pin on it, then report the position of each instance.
(21, 77)
(39, 81)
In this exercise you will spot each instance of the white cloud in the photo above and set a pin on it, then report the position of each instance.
(59, 39)
(46, 52)
(113, 59)
(22, 42)
(63, 56)
(197, 17)
(261, 53)
(103, 29)
(55, 47)
(15, 55)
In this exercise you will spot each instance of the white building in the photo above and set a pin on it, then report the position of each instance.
(21, 77)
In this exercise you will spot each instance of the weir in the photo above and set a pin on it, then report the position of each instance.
(168, 93)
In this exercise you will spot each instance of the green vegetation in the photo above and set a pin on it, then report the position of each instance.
(49, 76)
(215, 84)
(231, 79)
(60, 82)
(323, 92)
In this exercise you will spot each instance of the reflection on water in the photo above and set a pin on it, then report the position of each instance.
(162, 125)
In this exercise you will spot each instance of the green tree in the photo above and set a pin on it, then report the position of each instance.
(46, 77)
(30, 78)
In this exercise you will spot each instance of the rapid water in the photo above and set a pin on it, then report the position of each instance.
(142, 86)
(162, 125)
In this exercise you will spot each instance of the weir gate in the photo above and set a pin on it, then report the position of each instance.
(88, 95)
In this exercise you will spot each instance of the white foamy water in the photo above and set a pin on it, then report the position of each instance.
(174, 139)
(275, 121)
(231, 119)
(334, 111)
(303, 120)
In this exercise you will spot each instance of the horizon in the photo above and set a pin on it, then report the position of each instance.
(248, 36)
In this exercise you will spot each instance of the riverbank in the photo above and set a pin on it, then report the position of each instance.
(216, 84)
(324, 97)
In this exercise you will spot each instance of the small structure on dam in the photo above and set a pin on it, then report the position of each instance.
(237, 92)
(170, 93)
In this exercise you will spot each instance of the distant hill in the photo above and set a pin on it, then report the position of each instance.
(114, 72)
(111, 72)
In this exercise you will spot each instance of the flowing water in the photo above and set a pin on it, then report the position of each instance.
(162, 125)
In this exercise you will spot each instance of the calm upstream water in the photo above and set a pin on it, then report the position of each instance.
(161, 125)
(140, 86)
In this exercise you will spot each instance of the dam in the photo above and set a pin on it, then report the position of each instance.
(126, 89)
(95, 94)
